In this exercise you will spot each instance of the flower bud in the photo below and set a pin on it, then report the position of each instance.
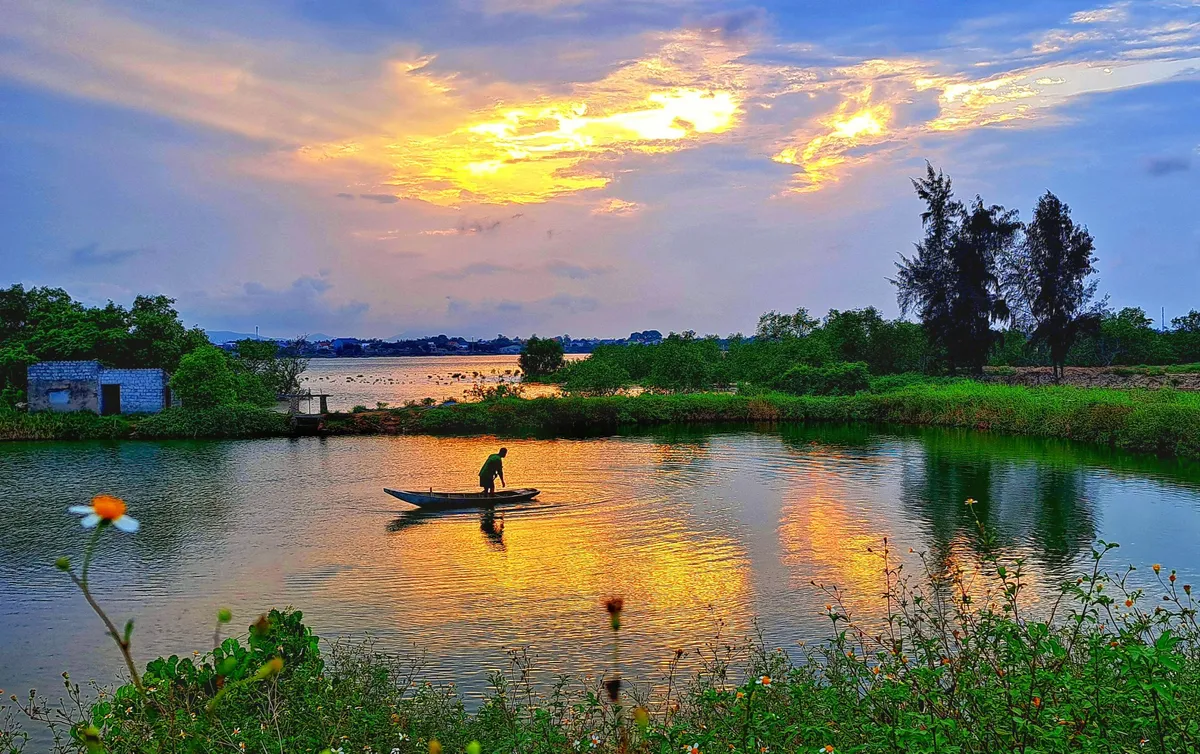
(474, 748)
(63, 563)
(434, 746)
(271, 667)
(641, 717)
(224, 615)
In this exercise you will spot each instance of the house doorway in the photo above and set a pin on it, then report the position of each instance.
(110, 400)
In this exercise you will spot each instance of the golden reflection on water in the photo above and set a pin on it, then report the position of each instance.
(691, 528)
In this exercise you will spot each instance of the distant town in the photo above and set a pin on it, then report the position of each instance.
(439, 345)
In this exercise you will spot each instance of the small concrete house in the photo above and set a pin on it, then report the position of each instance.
(88, 386)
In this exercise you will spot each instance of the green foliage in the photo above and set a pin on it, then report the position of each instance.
(685, 362)
(45, 324)
(205, 378)
(540, 357)
(776, 326)
(834, 379)
(595, 377)
(237, 420)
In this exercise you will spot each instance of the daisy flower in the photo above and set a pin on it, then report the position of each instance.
(105, 509)
(764, 680)
(595, 740)
(693, 749)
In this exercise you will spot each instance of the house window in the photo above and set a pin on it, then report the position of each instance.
(59, 397)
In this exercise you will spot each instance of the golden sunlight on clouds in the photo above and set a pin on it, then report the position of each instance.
(534, 153)
(403, 128)
(547, 146)
(857, 122)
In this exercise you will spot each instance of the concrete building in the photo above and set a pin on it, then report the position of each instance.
(88, 386)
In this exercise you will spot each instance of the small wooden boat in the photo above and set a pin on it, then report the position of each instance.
(433, 499)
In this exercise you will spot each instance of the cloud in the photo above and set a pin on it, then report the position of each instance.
(306, 300)
(92, 254)
(474, 270)
(1160, 166)
(616, 207)
(473, 227)
(573, 271)
(1105, 15)
(401, 122)
(344, 195)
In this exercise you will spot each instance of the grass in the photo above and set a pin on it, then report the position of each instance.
(175, 423)
(957, 660)
(1165, 422)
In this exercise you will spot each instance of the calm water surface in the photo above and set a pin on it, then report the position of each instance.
(395, 380)
(691, 527)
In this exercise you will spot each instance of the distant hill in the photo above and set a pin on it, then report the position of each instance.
(224, 336)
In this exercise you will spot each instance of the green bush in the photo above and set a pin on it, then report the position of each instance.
(205, 378)
(540, 357)
(238, 420)
(835, 379)
(588, 377)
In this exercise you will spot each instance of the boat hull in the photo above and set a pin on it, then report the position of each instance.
(462, 499)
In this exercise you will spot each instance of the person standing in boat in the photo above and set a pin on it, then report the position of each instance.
(493, 467)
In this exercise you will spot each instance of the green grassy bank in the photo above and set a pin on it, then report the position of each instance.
(1164, 422)
(946, 665)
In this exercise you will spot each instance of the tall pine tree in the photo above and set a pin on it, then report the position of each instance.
(1051, 276)
(951, 281)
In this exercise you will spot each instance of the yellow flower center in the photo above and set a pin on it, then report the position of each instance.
(107, 507)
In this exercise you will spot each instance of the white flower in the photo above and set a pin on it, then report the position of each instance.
(105, 509)
(577, 744)
(764, 680)
(595, 740)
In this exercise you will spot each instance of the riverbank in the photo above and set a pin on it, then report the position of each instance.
(1116, 671)
(1163, 422)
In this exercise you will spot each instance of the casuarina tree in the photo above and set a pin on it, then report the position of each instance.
(1052, 275)
(986, 235)
(951, 281)
(923, 280)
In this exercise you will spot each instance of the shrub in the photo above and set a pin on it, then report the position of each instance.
(588, 377)
(540, 357)
(205, 379)
(835, 379)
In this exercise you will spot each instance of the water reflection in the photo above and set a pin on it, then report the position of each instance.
(690, 526)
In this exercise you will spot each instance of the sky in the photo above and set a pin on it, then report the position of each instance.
(592, 167)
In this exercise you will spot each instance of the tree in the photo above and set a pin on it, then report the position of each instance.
(923, 280)
(1185, 336)
(776, 326)
(1050, 275)
(595, 377)
(541, 357)
(205, 378)
(986, 235)
(289, 364)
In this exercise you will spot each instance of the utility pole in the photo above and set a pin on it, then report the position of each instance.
(1163, 321)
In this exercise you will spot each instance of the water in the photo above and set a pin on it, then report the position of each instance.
(395, 380)
(691, 527)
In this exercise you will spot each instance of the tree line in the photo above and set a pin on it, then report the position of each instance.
(46, 324)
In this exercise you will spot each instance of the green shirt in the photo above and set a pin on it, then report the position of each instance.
(492, 467)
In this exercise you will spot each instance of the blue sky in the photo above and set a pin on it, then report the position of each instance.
(581, 166)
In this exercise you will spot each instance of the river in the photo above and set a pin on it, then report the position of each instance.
(699, 530)
(396, 380)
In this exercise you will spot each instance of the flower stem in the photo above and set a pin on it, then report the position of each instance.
(87, 555)
(122, 643)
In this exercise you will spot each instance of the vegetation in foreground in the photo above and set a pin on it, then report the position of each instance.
(957, 660)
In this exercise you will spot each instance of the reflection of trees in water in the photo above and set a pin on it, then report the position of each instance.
(1028, 502)
(174, 488)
